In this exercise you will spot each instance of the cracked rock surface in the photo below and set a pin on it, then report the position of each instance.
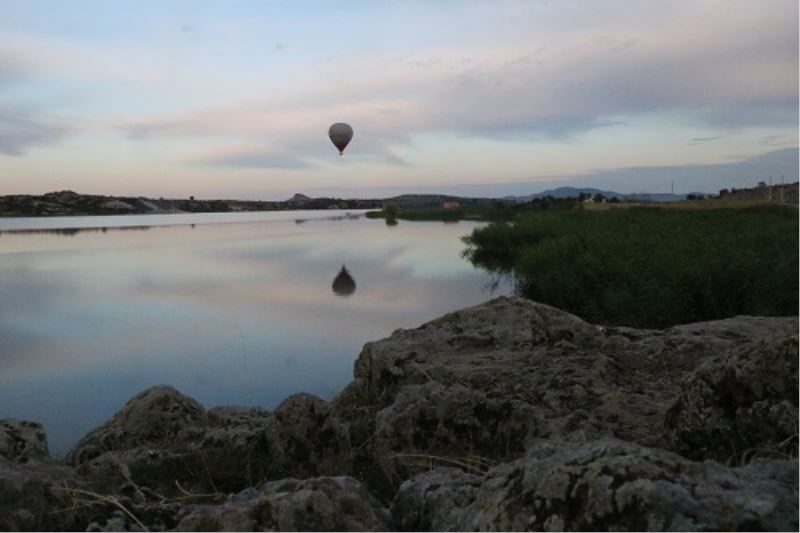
(21, 441)
(603, 485)
(739, 404)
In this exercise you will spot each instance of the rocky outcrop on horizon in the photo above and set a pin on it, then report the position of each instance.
(70, 203)
(510, 415)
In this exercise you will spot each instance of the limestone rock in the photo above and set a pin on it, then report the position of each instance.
(492, 379)
(21, 441)
(603, 485)
(36, 496)
(435, 500)
(157, 417)
(162, 437)
(740, 404)
(446, 345)
(313, 439)
(318, 504)
(433, 424)
(242, 444)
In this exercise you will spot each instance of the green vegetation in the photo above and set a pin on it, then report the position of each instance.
(649, 267)
(485, 210)
(390, 214)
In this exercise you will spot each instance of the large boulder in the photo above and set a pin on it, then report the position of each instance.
(158, 417)
(603, 485)
(242, 444)
(446, 346)
(167, 441)
(317, 504)
(435, 500)
(37, 496)
(739, 404)
(314, 441)
(434, 424)
(495, 379)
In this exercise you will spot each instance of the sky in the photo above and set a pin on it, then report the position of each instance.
(233, 99)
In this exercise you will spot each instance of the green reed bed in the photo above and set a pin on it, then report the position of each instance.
(649, 267)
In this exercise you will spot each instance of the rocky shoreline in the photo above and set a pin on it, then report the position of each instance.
(510, 415)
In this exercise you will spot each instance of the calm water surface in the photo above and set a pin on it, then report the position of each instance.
(228, 308)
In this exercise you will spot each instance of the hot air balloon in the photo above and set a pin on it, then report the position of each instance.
(343, 283)
(340, 134)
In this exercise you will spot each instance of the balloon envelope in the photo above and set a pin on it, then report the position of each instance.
(340, 134)
(343, 283)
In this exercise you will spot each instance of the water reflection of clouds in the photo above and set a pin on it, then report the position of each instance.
(26, 295)
(414, 249)
(23, 287)
(272, 281)
(187, 307)
(287, 307)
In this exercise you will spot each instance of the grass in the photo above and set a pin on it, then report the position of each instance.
(472, 464)
(647, 266)
(785, 450)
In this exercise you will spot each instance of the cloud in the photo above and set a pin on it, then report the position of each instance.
(733, 81)
(12, 69)
(254, 157)
(19, 132)
(745, 172)
(21, 125)
(283, 156)
(25, 294)
(614, 63)
(775, 140)
(702, 140)
(709, 178)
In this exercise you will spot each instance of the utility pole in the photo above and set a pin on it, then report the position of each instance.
(781, 188)
(770, 189)
(672, 187)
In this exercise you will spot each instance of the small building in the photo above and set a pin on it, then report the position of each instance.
(450, 205)
(594, 198)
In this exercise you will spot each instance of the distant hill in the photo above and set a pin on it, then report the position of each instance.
(299, 198)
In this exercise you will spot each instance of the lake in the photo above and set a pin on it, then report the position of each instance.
(234, 309)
